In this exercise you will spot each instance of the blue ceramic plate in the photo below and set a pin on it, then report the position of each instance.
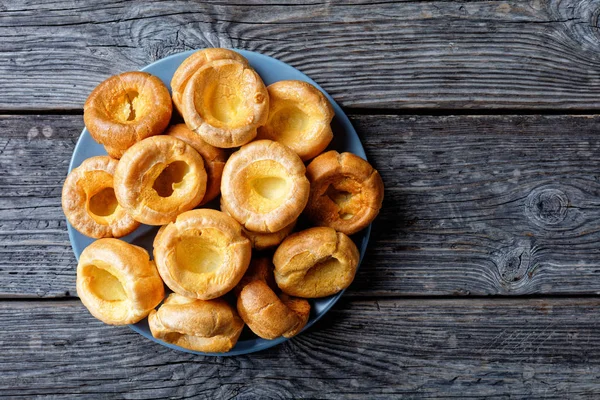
(271, 70)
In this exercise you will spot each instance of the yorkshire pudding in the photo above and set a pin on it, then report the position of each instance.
(299, 117)
(346, 193)
(203, 254)
(89, 202)
(264, 186)
(214, 159)
(266, 314)
(263, 240)
(114, 152)
(125, 109)
(193, 63)
(316, 262)
(202, 325)
(117, 282)
(260, 269)
(225, 102)
(159, 178)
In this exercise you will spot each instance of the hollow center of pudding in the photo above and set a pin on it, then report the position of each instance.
(103, 203)
(270, 187)
(339, 197)
(132, 105)
(223, 102)
(105, 285)
(129, 107)
(199, 255)
(290, 123)
(171, 178)
(345, 201)
(266, 185)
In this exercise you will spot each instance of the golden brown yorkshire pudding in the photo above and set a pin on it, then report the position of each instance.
(159, 178)
(316, 262)
(261, 269)
(263, 240)
(117, 282)
(264, 186)
(89, 202)
(203, 254)
(114, 152)
(214, 159)
(193, 63)
(346, 193)
(125, 109)
(202, 325)
(225, 102)
(266, 314)
(299, 117)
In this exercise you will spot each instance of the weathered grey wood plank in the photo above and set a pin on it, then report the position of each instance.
(535, 54)
(34, 159)
(483, 205)
(416, 348)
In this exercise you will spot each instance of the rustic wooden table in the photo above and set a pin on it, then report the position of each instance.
(482, 277)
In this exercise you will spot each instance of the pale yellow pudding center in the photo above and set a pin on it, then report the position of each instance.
(225, 104)
(170, 178)
(101, 202)
(266, 185)
(345, 201)
(199, 255)
(271, 187)
(291, 124)
(224, 97)
(105, 285)
(128, 107)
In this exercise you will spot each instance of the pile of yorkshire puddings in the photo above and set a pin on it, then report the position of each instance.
(245, 142)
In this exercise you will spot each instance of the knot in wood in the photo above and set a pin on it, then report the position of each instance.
(513, 265)
(579, 20)
(547, 206)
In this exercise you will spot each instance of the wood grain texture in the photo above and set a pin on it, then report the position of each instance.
(379, 349)
(488, 205)
(535, 54)
(34, 159)
(485, 205)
